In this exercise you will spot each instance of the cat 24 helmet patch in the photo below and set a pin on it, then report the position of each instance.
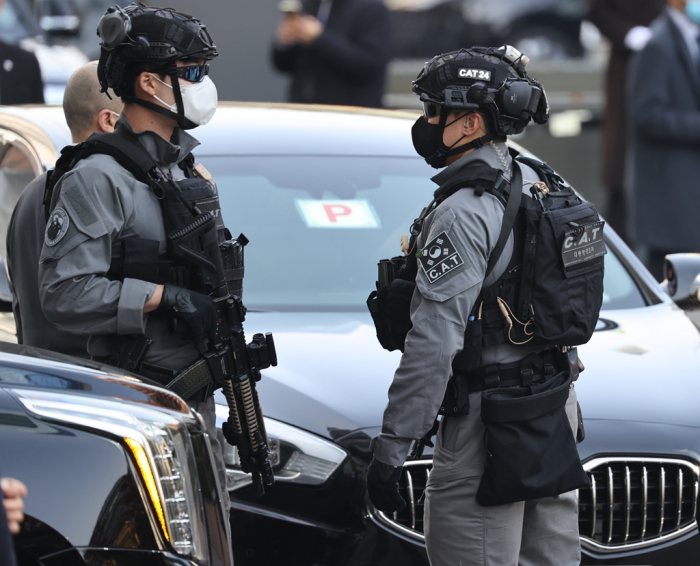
(439, 257)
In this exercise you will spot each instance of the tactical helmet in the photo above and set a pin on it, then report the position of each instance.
(486, 79)
(149, 34)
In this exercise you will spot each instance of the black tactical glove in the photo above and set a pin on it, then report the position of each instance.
(196, 310)
(383, 486)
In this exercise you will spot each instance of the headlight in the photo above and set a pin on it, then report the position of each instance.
(296, 456)
(160, 445)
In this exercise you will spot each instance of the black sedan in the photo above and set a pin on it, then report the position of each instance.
(323, 194)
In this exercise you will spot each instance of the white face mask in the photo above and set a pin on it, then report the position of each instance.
(199, 100)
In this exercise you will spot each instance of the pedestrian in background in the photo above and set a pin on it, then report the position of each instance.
(87, 111)
(336, 51)
(20, 75)
(625, 23)
(663, 91)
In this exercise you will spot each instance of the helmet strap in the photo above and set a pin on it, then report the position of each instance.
(475, 144)
(179, 117)
(182, 121)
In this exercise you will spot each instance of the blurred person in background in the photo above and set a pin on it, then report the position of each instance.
(336, 51)
(625, 23)
(11, 515)
(87, 111)
(20, 75)
(663, 165)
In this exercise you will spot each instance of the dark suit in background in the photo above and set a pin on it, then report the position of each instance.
(615, 19)
(20, 76)
(663, 184)
(346, 65)
(25, 238)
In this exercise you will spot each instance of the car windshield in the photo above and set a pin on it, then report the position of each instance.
(318, 225)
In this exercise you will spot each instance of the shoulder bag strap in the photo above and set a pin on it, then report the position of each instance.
(512, 206)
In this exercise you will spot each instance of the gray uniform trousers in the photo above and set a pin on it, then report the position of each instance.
(461, 532)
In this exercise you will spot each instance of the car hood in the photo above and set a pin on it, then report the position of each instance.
(647, 369)
(333, 376)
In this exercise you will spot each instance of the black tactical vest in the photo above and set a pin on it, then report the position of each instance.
(181, 203)
(552, 289)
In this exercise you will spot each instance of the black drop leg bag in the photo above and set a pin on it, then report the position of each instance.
(530, 447)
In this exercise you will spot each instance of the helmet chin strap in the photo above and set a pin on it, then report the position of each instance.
(179, 117)
(475, 144)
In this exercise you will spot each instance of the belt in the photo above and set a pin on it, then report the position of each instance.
(193, 381)
(533, 368)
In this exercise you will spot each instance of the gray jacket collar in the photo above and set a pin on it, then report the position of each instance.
(494, 155)
(165, 153)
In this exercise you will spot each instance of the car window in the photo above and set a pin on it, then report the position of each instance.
(318, 226)
(620, 290)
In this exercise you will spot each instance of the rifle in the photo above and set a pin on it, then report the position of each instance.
(233, 363)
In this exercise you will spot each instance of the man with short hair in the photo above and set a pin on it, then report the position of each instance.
(87, 111)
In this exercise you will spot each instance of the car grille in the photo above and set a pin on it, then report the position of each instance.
(632, 502)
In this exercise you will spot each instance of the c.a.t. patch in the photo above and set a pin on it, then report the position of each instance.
(439, 257)
(56, 227)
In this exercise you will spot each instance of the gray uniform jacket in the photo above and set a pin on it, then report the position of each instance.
(439, 310)
(101, 203)
(25, 237)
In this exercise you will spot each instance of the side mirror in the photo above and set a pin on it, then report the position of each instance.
(682, 281)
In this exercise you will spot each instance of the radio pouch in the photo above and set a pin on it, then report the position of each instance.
(530, 447)
(390, 307)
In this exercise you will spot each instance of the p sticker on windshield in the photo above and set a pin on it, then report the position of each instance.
(337, 213)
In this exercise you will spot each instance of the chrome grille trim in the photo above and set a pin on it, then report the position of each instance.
(642, 498)
(679, 501)
(594, 504)
(662, 496)
(611, 503)
(628, 502)
(645, 500)
(411, 500)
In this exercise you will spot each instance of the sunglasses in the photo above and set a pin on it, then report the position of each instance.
(193, 74)
(431, 109)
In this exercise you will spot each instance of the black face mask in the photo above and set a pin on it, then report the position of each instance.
(428, 141)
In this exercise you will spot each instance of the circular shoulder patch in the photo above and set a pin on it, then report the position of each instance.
(56, 227)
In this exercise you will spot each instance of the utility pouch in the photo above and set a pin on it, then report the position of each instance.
(128, 352)
(390, 308)
(390, 304)
(530, 447)
(469, 358)
(456, 400)
(562, 290)
(569, 361)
